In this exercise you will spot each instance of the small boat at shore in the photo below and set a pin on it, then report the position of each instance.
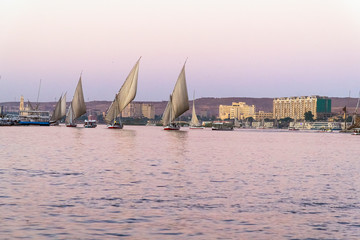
(178, 103)
(356, 131)
(90, 124)
(77, 106)
(125, 95)
(222, 126)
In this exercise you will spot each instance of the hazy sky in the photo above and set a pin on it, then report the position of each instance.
(250, 48)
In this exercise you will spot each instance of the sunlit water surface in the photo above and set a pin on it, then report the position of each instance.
(146, 183)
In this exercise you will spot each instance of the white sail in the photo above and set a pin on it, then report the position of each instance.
(112, 112)
(125, 95)
(78, 102)
(167, 113)
(194, 120)
(57, 111)
(127, 91)
(77, 106)
(179, 101)
(63, 106)
(69, 116)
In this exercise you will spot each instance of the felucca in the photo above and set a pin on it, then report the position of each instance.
(59, 111)
(77, 106)
(194, 124)
(125, 95)
(178, 103)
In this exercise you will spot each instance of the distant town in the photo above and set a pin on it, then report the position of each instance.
(252, 111)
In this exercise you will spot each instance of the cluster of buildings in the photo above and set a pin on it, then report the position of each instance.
(238, 110)
(139, 110)
(287, 107)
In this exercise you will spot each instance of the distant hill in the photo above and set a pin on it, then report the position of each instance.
(204, 106)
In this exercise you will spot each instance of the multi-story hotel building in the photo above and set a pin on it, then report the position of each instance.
(148, 110)
(296, 107)
(238, 110)
(260, 115)
(138, 110)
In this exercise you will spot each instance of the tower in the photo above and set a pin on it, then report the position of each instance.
(22, 108)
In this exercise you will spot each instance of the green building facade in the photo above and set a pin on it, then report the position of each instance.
(323, 105)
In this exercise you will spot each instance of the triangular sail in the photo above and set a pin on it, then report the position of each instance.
(77, 106)
(179, 100)
(63, 106)
(31, 108)
(167, 113)
(78, 102)
(125, 95)
(112, 112)
(57, 111)
(194, 120)
(69, 116)
(127, 91)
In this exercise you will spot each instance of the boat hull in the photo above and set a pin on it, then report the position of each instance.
(196, 128)
(54, 123)
(34, 123)
(222, 129)
(71, 125)
(90, 126)
(115, 126)
(172, 128)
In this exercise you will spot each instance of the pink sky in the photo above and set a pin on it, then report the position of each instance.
(234, 48)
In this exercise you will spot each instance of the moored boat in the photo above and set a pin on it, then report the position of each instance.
(356, 131)
(196, 127)
(90, 124)
(222, 126)
(34, 117)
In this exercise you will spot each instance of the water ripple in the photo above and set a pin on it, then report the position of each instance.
(244, 184)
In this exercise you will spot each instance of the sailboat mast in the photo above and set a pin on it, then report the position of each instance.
(37, 100)
(357, 105)
(115, 114)
(355, 113)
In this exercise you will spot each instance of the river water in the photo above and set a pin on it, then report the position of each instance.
(146, 183)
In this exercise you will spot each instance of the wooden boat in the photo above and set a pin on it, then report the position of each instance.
(178, 103)
(125, 95)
